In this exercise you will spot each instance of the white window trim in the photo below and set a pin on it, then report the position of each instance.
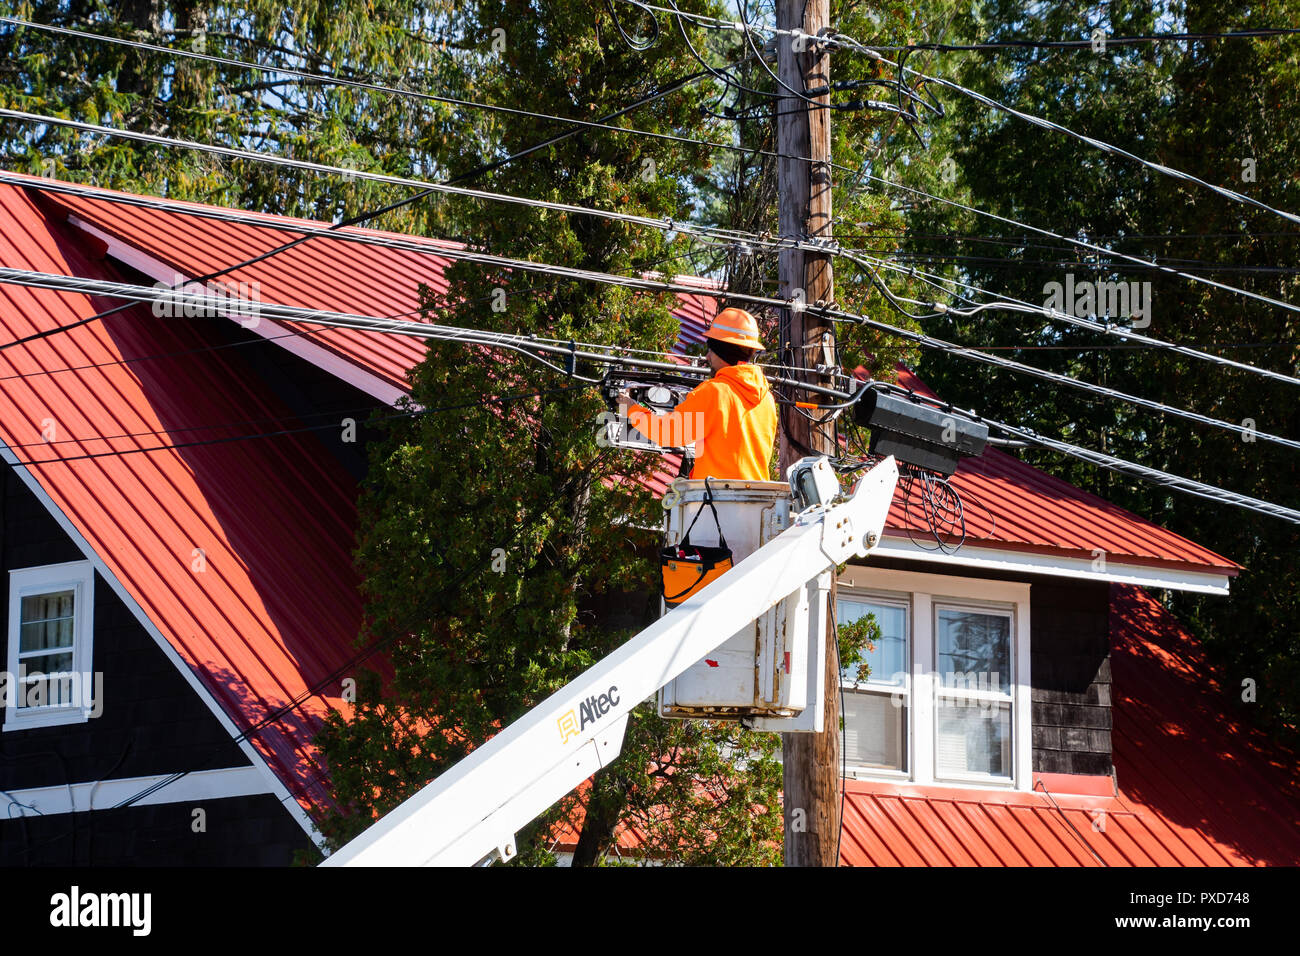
(924, 591)
(903, 601)
(101, 795)
(80, 577)
(938, 603)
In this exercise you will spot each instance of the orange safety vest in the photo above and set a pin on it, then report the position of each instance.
(731, 418)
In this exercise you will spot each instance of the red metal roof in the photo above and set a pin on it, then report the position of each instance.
(1014, 505)
(276, 607)
(319, 274)
(1196, 787)
(325, 273)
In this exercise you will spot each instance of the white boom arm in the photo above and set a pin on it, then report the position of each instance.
(472, 811)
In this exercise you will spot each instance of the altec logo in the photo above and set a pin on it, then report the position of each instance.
(591, 709)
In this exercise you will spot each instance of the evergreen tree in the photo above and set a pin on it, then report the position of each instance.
(526, 482)
(403, 44)
(1217, 110)
(527, 477)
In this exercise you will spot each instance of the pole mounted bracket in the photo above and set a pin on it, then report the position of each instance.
(822, 246)
(816, 45)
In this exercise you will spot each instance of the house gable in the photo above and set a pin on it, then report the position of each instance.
(234, 554)
(148, 724)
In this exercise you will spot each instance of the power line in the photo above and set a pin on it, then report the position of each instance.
(423, 246)
(258, 339)
(479, 170)
(1262, 33)
(427, 247)
(652, 285)
(929, 341)
(1083, 138)
(717, 23)
(714, 234)
(1010, 303)
(1095, 266)
(1084, 244)
(571, 354)
(336, 80)
(808, 97)
(695, 54)
(1023, 241)
(518, 343)
(1155, 476)
(1113, 346)
(250, 436)
(530, 346)
(714, 23)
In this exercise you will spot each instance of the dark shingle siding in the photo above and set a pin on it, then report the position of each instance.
(240, 831)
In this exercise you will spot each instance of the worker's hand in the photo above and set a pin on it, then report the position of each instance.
(625, 397)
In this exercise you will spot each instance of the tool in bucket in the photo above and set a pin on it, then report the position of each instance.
(685, 567)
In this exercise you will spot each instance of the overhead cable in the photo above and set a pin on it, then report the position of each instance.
(1083, 138)
(1084, 244)
(258, 339)
(428, 247)
(1153, 475)
(1010, 303)
(208, 301)
(1056, 377)
(331, 79)
(717, 23)
(711, 233)
(1039, 265)
(365, 216)
(1089, 43)
(557, 348)
(519, 343)
(476, 402)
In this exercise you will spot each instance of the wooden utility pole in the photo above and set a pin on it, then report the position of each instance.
(812, 761)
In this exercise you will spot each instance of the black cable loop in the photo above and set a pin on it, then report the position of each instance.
(643, 45)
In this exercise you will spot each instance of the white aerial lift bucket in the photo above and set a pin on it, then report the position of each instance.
(471, 813)
(761, 670)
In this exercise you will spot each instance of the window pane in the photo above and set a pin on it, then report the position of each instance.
(974, 737)
(888, 659)
(45, 690)
(875, 728)
(974, 650)
(46, 621)
(46, 664)
(43, 607)
(45, 635)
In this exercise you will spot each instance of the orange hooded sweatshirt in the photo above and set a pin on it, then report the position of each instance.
(731, 418)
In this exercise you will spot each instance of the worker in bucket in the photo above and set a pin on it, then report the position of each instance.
(731, 418)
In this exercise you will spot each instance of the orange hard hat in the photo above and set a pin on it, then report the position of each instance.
(735, 326)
